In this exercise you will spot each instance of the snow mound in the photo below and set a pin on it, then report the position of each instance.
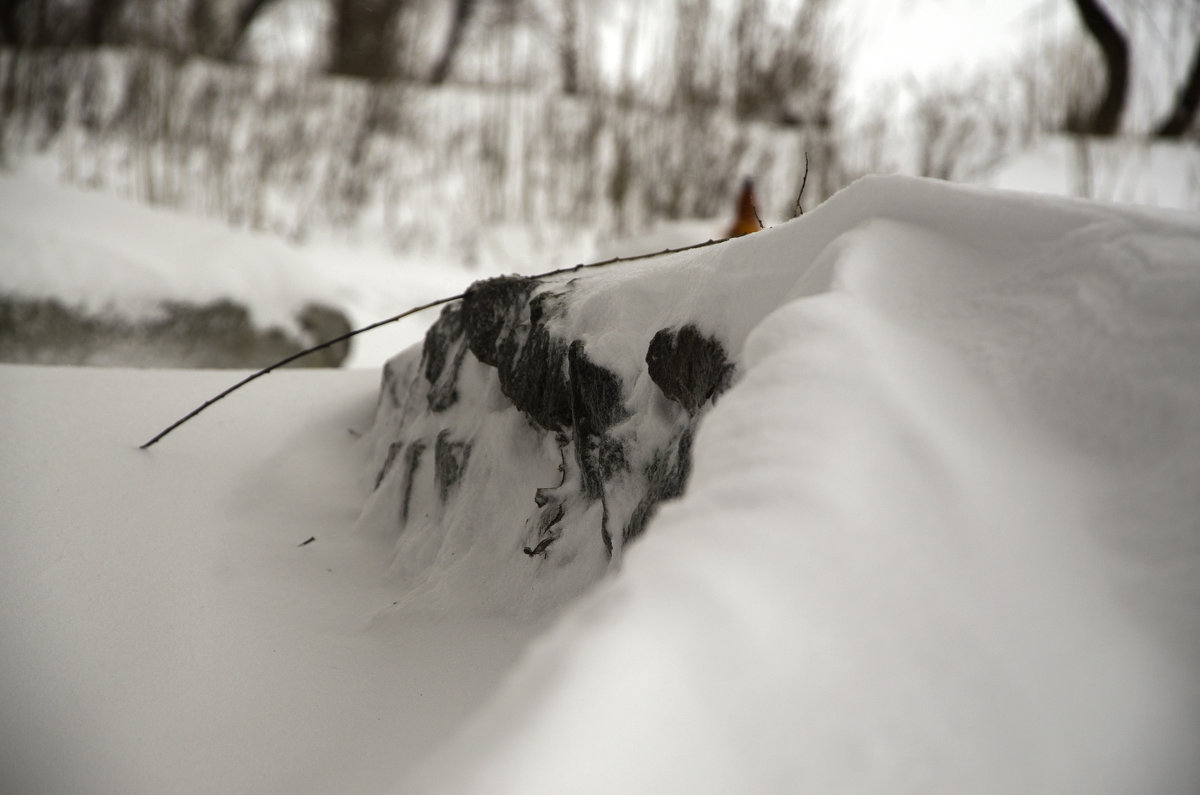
(940, 534)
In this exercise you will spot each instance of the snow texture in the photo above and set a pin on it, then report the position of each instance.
(146, 286)
(939, 533)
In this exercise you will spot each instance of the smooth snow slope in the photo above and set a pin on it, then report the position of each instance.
(942, 536)
(161, 629)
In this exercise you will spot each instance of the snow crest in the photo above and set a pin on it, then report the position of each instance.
(940, 535)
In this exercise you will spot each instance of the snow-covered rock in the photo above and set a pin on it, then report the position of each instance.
(528, 440)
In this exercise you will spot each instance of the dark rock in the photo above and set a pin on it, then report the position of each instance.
(516, 326)
(613, 457)
(536, 380)
(412, 462)
(688, 367)
(442, 357)
(449, 463)
(596, 405)
(388, 461)
(507, 329)
(491, 310)
(596, 400)
(666, 477)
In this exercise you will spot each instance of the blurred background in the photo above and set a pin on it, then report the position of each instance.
(219, 183)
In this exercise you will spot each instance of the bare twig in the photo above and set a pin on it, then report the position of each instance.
(291, 359)
(800, 210)
(393, 319)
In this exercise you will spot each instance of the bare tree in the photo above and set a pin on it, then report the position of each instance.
(751, 92)
(10, 22)
(99, 20)
(691, 25)
(363, 38)
(463, 11)
(568, 47)
(219, 31)
(1187, 102)
(41, 23)
(1106, 118)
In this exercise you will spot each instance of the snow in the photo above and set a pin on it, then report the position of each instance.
(108, 256)
(940, 535)
(164, 632)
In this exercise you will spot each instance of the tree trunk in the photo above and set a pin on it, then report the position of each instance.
(204, 28)
(1186, 103)
(10, 28)
(247, 13)
(1106, 119)
(463, 10)
(568, 51)
(363, 38)
(97, 24)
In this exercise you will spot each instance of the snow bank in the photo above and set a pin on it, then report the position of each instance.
(940, 535)
(107, 255)
(127, 277)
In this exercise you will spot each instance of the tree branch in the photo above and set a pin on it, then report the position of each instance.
(328, 343)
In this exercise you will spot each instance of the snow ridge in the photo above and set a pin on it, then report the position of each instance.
(940, 534)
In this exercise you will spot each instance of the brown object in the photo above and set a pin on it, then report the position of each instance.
(747, 214)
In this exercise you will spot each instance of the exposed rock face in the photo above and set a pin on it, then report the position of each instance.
(558, 453)
(216, 335)
(687, 366)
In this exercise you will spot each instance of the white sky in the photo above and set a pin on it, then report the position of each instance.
(896, 38)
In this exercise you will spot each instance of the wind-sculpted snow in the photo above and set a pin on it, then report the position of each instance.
(939, 534)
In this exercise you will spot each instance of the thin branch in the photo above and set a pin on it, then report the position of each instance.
(393, 319)
(800, 210)
(289, 360)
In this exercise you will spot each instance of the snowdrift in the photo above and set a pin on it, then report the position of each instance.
(940, 531)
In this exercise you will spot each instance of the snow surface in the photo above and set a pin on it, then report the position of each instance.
(164, 632)
(941, 535)
(107, 256)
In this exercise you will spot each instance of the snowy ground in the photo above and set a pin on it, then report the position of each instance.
(941, 535)
(165, 632)
(104, 255)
